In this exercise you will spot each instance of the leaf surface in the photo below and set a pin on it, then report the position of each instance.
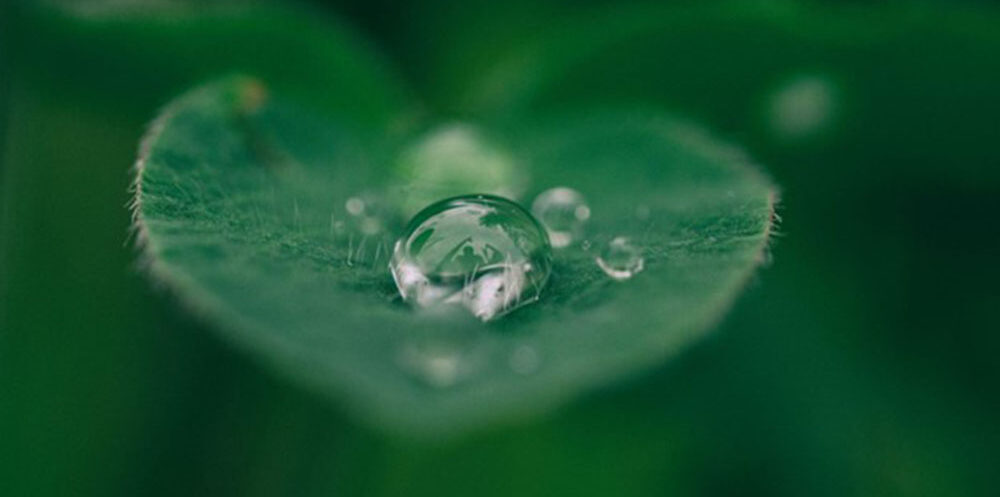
(240, 207)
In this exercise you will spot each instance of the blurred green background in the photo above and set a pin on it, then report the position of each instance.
(863, 361)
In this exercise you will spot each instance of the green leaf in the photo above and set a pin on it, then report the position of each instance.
(134, 55)
(238, 203)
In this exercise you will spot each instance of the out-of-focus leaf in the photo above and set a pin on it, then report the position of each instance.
(134, 55)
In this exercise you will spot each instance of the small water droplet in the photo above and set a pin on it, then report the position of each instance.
(482, 252)
(585, 244)
(621, 259)
(525, 360)
(563, 211)
(368, 213)
(802, 107)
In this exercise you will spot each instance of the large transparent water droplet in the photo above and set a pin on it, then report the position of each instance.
(621, 259)
(563, 211)
(482, 252)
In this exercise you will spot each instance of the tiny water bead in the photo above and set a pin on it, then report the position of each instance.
(563, 211)
(621, 259)
(367, 213)
(482, 252)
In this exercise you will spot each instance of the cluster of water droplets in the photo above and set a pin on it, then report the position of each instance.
(480, 255)
(564, 212)
(364, 225)
(487, 255)
(490, 256)
(366, 213)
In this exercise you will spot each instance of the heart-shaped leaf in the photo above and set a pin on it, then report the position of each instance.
(248, 208)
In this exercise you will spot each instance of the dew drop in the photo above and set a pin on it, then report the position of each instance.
(621, 259)
(367, 213)
(563, 211)
(482, 252)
